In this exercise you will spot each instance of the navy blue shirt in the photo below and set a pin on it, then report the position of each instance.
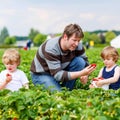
(109, 74)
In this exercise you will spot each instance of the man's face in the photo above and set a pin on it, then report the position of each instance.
(72, 42)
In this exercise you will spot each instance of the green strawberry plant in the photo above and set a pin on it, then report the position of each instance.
(37, 103)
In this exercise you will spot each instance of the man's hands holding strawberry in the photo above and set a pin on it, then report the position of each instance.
(87, 71)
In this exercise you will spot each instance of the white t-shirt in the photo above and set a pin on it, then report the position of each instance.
(18, 79)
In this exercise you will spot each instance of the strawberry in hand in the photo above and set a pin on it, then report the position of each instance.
(101, 78)
(8, 77)
(97, 79)
(93, 65)
(8, 74)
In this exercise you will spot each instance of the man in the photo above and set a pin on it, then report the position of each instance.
(60, 61)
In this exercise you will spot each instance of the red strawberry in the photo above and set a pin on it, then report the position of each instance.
(89, 104)
(14, 118)
(8, 74)
(93, 65)
(101, 78)
(95, 79)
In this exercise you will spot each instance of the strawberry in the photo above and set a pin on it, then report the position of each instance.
(89, 104)
(96, 79)
(93, 65)
(101, 78)
(14, 118)
(8, 74)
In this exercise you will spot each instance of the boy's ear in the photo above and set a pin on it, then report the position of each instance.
(18, 64)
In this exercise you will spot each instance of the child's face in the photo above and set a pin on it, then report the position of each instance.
(109, 62)
(11, 67)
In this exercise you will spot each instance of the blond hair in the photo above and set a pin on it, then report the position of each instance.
(11, 56)
(110, 51)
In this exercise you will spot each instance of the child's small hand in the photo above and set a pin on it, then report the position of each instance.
(99, 83)
(8, 77)
(93, 84)
(96, 82)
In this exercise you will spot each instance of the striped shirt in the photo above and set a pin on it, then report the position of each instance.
(51, 59)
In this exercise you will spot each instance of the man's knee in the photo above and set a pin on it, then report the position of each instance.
(80, 62)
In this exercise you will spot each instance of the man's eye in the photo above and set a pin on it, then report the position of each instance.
(75, 40)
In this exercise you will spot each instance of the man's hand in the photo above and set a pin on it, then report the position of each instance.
(88, 70)
(84, 79)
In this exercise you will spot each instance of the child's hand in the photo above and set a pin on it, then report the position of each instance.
(8, 77)
(92, 85)
(95, 82)
(99, 83)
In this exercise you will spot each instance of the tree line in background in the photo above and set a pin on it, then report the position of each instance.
(98, 37)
